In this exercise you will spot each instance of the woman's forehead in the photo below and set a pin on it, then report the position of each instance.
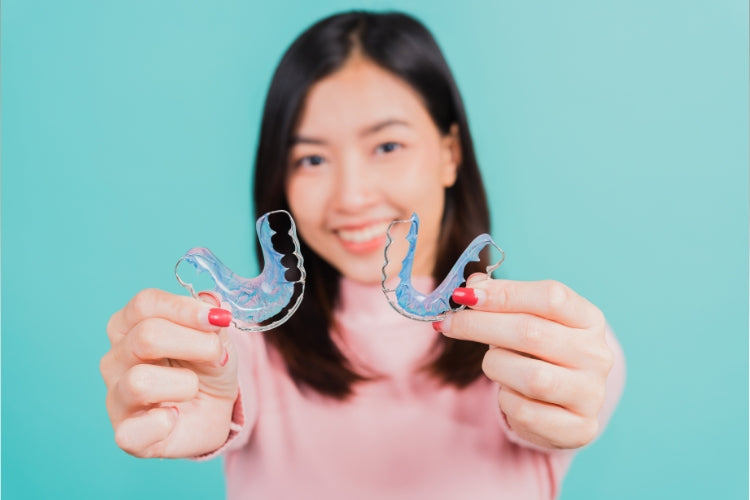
(359, 97)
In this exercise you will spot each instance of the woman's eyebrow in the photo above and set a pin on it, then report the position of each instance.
(377, 127)
(369, 130)
(300, 139)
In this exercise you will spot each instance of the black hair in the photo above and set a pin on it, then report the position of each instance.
(401, 45)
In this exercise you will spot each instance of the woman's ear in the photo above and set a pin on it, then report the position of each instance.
(452, 156)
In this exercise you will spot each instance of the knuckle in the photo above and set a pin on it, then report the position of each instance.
(459, 323)
(111, 402)
(138, 382)
(193, 382)
(524, 414)
(599, 320)
(590, 393)
(557, 295)
(588, 431)
(500, 397)
(166, 420)
(503, 396)
(500, 297)
(488, 363)
(531, 334)
(504, 399)
(162, 421)
(124, 442)
(593, 429)
(143, 301)
(603, 357)
(174, 307)
(607, 357)
(111, 330)
(542, 382)
(110, 325)
(518, 409)
(145, 340)
(105, 364)
(215, 347)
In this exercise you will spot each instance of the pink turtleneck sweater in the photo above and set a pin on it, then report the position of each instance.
(403, 436)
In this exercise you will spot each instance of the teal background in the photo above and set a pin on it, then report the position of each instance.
(613, 138)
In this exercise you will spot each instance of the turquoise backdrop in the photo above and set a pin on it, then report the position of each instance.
(614, 141)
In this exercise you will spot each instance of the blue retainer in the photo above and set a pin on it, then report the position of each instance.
(255, 301)
(434, 306)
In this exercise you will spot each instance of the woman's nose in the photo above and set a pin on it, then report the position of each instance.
(356, 188)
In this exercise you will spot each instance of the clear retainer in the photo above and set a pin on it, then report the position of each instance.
(254, 301)
(405, 299)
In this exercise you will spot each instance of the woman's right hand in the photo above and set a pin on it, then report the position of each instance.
(171, 375)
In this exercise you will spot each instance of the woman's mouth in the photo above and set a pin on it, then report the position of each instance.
(363, 238)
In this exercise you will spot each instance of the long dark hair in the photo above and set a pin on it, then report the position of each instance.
(403, 46)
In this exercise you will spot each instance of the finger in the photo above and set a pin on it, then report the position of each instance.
(145, 385)
(544, 382)
(547, 299)
(520, 332)
(155, 339)
(108, 368)
(154, 303)
(545, 424)
(144, 435)
(210, 298)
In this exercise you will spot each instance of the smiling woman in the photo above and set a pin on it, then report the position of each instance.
(378, 157)
(364, 125)
(385, 79)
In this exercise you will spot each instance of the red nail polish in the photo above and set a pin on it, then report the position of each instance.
(465, 296)
(437, 326)
(224, 358)
(219, 317)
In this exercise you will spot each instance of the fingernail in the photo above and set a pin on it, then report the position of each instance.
(209, 298)
(224, 358)
(175, 412)
(442, 326)
(219, 317)
(477, 278)
(465, 296)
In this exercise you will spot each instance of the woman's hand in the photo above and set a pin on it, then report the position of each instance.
(547, 351)
(171, 376)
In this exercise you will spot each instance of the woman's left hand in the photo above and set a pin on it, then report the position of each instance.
(547, 351)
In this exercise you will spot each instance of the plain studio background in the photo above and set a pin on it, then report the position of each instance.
(612, 136)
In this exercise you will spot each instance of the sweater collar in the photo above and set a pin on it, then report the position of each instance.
(375, 337)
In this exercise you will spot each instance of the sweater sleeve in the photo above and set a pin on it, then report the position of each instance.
(250, 350)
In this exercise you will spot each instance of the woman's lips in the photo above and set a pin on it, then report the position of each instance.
(365, 238)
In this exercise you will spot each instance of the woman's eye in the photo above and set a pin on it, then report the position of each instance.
(388, 147)
(310, 161)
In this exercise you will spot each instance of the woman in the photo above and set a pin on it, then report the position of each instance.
(363, 124)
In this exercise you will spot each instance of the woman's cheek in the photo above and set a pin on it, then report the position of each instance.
(296, 194)
(307, 200)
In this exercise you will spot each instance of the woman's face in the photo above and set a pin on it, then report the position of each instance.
(366, 152)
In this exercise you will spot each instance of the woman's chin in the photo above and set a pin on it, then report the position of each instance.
(366, 273)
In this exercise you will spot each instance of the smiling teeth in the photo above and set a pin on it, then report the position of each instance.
(365, 234)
